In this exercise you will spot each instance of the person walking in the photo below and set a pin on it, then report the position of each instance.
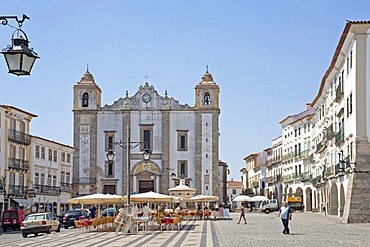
(286, 214)
(242, 215)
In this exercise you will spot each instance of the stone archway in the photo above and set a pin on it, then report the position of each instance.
(342, 200)
(308, 203)
(290, 191)
(333, 203)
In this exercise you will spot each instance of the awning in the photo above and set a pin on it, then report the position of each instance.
(22, 202)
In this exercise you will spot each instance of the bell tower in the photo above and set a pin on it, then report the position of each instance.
(207, 114)
(86, 105)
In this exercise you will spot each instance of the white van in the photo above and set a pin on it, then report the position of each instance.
(268, 206)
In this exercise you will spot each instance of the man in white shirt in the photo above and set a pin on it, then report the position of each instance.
(286, 214)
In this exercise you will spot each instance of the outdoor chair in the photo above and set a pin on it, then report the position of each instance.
(159, 222)
(176, 223)
(78, 226)
(95, 224)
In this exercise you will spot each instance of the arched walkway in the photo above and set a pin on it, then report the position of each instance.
(342, 200)
(308, 205)
(333, 207)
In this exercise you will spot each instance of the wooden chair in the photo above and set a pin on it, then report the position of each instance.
(176, 222)
(159, 222)
(78, 226)
(95, 224)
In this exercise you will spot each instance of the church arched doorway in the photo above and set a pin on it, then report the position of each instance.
(333, 203)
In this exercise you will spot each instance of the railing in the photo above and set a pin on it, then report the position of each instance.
(287, 178)
(330, 171)
(319, 146)
(273, 179)
(17, 190)
(19, 137)
(288, 156)
(316, 180)
(339, 137)
(66, 187)
(18, 164)
(46, 189)
(338, 93)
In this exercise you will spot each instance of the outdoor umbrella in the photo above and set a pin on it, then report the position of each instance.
(258, 198)
(96, 199)
(242, 198)
(150, 197)
(203, 198)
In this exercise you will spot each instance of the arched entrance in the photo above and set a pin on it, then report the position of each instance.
(342, 200)
(333, 206)
(308, 205)
(290, 191)
(145, 177)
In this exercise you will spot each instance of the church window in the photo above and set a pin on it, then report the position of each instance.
(109, 140)
(85, 100)
(146, 136)
(182, 168)
(109, 168)
(182, 140)
(207, 99)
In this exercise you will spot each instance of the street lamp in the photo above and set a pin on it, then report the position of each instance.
(345, 163)
(128, 147)
(18, 56)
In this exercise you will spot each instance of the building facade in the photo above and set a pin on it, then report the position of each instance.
(326, 148)
(183, 140)
(50, 175)
(15, 150)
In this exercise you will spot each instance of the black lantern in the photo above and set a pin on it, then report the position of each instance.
(19, 57)
(146, 154)
(110, 155)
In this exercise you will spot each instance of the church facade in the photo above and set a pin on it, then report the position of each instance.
(183, 140)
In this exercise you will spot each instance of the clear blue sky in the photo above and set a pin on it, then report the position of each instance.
(268, 57)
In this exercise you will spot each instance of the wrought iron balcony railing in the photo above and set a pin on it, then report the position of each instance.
(65, 187)
(339, 137)
(19, 137)
(18, 164)
(17, 190)
(339, 93)
(46, 189)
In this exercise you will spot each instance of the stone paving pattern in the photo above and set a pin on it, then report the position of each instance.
(307, 229)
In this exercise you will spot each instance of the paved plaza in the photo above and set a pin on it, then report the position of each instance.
(307, 229)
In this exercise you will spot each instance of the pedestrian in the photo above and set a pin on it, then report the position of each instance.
(286, 214)
(93, 212)
(242, 215)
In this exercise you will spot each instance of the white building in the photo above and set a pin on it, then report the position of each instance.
(326, 148)
(183, 140)
(50, 175)
(14, 156)
(234, 189)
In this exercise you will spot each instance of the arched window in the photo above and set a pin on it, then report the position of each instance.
(85, 100)
(207, 99)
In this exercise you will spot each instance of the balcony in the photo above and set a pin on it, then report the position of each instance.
(316, 180)
(330, 171)
(288, 156)
(65, 187)
(339, 93)
(46, 189)
(18, 164)
(17, 190)
(287, 178)
(255, 185)
(339, 137)
(270, 179)
(320, 146)
(19, 137)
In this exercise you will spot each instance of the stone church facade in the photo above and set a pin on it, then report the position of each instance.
(183, 140)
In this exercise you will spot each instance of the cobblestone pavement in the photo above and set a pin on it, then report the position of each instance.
(307, 229)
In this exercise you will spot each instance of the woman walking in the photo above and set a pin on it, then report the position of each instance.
(242, 215)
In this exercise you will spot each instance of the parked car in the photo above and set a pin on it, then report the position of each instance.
(40, 223)
(268, 206)
(12, 219)
(110, 212)
(71, 216)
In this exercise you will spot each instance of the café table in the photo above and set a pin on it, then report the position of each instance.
(167, 221)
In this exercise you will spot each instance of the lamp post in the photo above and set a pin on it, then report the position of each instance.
(128, 146)
(18, 56)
